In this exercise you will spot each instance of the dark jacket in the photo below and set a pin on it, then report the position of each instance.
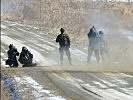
(93, 39)
(63, 40)
(26, 54)
(25, 57)
(12, 53)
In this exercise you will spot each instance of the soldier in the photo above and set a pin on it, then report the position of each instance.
(12, 53)
(64, 43)
(93, 44)
(103, 46)
(26, 57)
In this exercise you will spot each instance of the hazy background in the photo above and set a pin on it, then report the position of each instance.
(115, 19)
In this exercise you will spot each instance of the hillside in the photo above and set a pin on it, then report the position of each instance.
(35, 25)
(75, 16)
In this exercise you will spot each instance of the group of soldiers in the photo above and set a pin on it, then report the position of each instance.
(25, 57)
(97, 44)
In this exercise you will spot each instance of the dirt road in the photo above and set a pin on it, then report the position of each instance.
(49, 80)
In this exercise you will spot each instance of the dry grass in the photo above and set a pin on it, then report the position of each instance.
(4, 94)
(77, 17)
(74, 16)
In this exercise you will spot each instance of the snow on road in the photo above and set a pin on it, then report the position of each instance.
(102, 88)
(3, 26)
(37, 91)
(130, 35)
(43, 61)
(25, 87)
(108, 94)
(43, 44)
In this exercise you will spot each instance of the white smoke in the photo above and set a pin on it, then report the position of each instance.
(116, 34)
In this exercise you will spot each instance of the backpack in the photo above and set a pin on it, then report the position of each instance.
(65, 40)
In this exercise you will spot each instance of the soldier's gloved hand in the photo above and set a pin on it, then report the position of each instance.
(17, 54)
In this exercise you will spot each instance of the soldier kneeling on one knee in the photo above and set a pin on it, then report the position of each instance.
(26, 57)
(12, 53)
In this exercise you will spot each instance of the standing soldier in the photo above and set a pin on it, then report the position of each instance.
(103, 46)
(12, 53)
(93, 44)
(64, 43)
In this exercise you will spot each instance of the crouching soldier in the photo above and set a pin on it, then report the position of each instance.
(26, 57)
(64, 43)
(12, 53)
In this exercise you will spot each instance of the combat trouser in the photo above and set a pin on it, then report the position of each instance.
(12, 62)
(67, 51)
(104, 52)
(90, 52)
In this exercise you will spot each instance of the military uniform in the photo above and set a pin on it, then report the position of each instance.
(64, 43)
(12, 53)
(93, 44)
(26, 57)
(103, 46)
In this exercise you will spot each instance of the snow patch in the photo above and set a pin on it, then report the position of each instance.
(106, 94)
(9, 84)
(43, 61)
(126, 76)
(49, 48)
(108, 83)
(129, 35)
(2, 54)
(128, 91)
(100, 84)
(3, 26)
(117, 78)
(38, 91)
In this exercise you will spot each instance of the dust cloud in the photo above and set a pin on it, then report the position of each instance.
(119, 44)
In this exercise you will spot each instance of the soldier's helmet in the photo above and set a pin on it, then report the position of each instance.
(91, 30)
(24, 49)
(62, 30)
(100, 32)
(11, 46)
(93, 27)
